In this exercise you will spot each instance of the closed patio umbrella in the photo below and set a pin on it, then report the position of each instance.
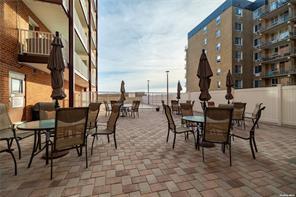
(204, 72)
(57, 67)
(122, 90)
(229, 85)
(179, 89)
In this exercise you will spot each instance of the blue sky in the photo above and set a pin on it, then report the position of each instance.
(141, 39)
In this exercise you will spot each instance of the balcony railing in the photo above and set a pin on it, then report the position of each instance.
(269, 9)
(93, 59)
(84, 6)
(275, 57)
(278, 73)
(94, 37)
(66, 4)
(93, 79)
(278, 22)
(80, 66)
(38, 43)
(80, 31)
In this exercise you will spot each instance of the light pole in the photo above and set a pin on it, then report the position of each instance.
(167, 72)
(148, 91)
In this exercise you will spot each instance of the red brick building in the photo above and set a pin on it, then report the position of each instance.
(27, 28)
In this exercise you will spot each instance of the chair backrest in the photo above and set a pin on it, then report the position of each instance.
(47, 110)
(107, 108)
(175, 105)
(5, 121)
(226, 106)
(217, 124)
(211, 104)
(239, 111)
(93, 112)
(111, 123)
(256, 109)
(168, 114)
(70, 127)
(188, 101)
(258, 116)
(186, 109)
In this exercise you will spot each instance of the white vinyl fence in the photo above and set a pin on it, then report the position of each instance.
(280, 101)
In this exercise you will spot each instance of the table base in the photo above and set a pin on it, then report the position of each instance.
(56, 155)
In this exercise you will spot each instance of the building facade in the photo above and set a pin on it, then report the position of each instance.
(274, 43)
(226, 35)
(27, 29)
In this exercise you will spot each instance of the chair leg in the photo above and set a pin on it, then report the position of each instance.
(12, 155)
(114, 137)
(244, 124)
(86, 156)
(230, 162)
(168, 135)
(194, 139)
(19, 148)
(203, 154)
(108, 138)
(92, 145)
(174, 140)
(77, 151)
(252, 149)
(51, 162)
(254, 142)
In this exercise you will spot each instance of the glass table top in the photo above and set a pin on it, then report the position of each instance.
(193, 118)
(37, 125)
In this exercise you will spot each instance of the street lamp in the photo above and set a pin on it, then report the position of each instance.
(148, 91)
(167, 73)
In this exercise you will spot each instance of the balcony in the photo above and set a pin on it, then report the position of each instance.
(84, 6)
(272, 11)
(94, 37)
(93, 59)
(276, 24)
(81, 68)
(275, 42)
(279, 73)
(275, 58)
(35, 46)
(80, 31)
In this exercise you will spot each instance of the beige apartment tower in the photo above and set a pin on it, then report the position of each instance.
(227, 36)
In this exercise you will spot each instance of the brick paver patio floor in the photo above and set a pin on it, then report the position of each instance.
(145, 165)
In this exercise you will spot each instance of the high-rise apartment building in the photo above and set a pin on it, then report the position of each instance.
(27, 29)
(227, 36)
(274, 43)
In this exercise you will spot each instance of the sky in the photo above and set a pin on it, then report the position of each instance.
(140, 39)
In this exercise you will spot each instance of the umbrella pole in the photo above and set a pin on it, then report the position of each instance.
(228, 101)
(57, 104)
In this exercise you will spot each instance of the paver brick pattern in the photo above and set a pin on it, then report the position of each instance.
(145, 165)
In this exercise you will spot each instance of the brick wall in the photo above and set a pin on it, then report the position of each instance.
(15, 14)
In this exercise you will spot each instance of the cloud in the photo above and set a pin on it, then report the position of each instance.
(141, 39)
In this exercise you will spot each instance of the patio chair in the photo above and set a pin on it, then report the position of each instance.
(242, 134)
(172, 126)
(187, 110)
(217, 127)
(211, 104)
(70, 132)
(253, 116)
(107, 108)
(162, 103)
(175, 106)
(7, 133)
(238, 115)
(111, 126)
(46, 110)
(188, 101)
(135, 109)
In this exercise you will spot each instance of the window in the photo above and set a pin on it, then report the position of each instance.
(218, 47)
(256, 56)
(273, 6)
(256, 42)
(258, 69)
(16, 86)
(218, 33)
(205, 29)
(238, 41)
(238, 55)
(238, 69)
(238, 27)
(238, 11)
(205, 41)
(218, 20)
(33, 26)
(274, 81)
(218, 58)
(218, 84)
(238, 84)
(257, 28)
(256, 83)
(219, 71)
(257, 13)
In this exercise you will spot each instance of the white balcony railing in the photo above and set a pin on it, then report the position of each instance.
(94, 37)
(93, 58)
(93, 78)
(84, 5)
(66, 4)
(80, 66)
(39, 43)
(80, 31)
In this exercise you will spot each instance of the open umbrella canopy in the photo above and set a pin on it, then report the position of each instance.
(204, 72)
(57, 67)
(229, 85)
(179, 89)
(122, 90)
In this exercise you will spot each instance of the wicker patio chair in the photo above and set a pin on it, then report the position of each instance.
(242, 134)
(7, 133)
(217, 127)
(135, 109)
(238, 115)
(175, 106)
(253, 116)
(172, 126)
(107, 108)
(70, 132)
(111, 126)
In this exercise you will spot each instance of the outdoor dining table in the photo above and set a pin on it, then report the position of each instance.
(199, 119)
(39, 127)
